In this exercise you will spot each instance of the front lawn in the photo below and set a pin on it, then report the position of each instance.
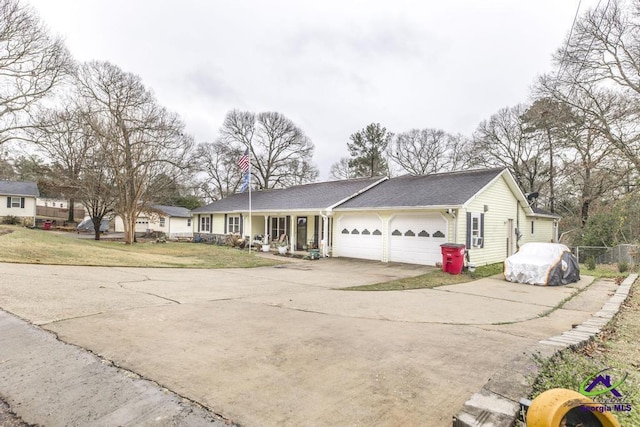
(23, 245)
(431, 280)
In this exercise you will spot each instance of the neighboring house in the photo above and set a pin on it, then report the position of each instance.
(48, 208)
(18, 199)
(302, 213)
(406, 219)
(403, 219)
(173, 221)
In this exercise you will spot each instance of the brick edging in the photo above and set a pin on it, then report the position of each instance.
(498, 402)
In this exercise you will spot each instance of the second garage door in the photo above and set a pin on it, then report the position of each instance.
(416, 239)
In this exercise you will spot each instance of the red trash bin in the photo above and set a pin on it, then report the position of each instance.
(46, 225)
(452, 257)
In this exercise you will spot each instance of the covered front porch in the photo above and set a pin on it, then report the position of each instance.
(299, 231)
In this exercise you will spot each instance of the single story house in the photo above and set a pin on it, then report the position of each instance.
(406, 219)
(173, 221)
(402, 219)
(19, 199)
(300, 213)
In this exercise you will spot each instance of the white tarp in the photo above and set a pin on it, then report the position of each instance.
(538, 263)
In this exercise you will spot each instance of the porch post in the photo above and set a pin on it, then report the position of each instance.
(325, 234)
(293, 229)
(266, 229)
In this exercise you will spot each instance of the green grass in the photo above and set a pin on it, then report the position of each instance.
(23, 245)
(603, 271)
(430, 280)
(617, 346)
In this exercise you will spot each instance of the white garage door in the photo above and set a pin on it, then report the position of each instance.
(359, 236)
(416, 239)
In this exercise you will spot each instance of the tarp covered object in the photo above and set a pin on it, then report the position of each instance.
(547, 264)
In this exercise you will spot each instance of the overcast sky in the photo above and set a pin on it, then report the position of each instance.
(331, 66)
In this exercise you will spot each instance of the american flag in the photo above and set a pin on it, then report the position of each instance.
(243, 161)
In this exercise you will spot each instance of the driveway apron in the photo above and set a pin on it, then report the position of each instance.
(283, 345)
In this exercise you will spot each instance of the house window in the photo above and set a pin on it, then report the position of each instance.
(188, 222)
(477, 237)
(162, 219)
(17, 202)
(205, 224)
(233, 224)
(532, 227)
(278, 228)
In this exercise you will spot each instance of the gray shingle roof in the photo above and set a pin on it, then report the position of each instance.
(540, 211)
(443, 189)
(316, 196)
(19, 188)
(174, 211)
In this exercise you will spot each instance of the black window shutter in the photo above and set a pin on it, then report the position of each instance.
(225, 223)
(468, 230)
(241, 225)
(22, 202)
(198, 216)
(287, 226)
(482, 229)
(9, 201)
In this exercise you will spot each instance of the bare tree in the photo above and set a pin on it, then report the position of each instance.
(218, 162)
(597, 72)
(459, 153)
(342, 170)
(31, 64)
(140, 141)
(420, 151)
(65, 140)
(281, 154)
(502, 141)
(97, 188)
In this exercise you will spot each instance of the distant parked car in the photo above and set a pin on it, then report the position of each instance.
(87, 225)
(542, 264)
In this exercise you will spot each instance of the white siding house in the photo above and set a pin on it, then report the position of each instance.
(174, 221)
(18, 199)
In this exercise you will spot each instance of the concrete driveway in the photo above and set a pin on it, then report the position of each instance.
(277, 346)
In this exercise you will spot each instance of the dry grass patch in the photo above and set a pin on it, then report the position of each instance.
(28, 246)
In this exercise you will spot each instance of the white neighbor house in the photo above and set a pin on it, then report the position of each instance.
(173, 221)
(18, 199)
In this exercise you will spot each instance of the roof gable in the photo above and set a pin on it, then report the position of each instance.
(408, 191)
(19, 188)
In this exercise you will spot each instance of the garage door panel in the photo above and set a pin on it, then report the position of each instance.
(360, 236)
(417, 239)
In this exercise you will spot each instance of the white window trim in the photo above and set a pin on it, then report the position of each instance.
(279, 231)
(476, 233)
(162, 221)
(233, 224)
(205, 224)
(14, 204)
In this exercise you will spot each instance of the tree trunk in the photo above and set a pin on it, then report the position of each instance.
(72, 207)
(96, 227)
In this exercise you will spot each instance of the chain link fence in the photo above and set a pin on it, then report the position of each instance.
(626, 253)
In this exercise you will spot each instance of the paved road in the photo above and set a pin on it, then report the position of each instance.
(280, 346)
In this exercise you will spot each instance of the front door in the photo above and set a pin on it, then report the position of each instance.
(301, 233)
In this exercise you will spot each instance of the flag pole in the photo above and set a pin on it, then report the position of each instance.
(250, 226)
